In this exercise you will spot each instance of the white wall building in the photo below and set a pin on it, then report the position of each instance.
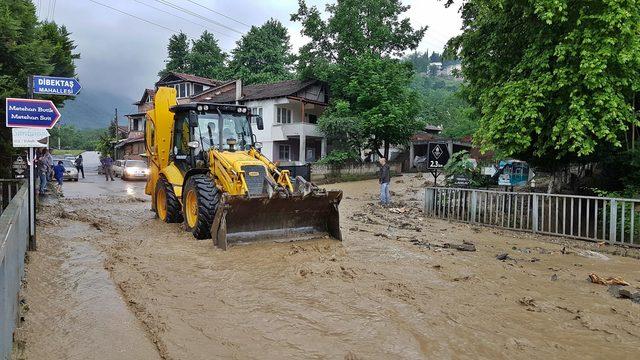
(290, 111)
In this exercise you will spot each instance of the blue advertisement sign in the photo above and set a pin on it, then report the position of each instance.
(31, 113)
(55, 85)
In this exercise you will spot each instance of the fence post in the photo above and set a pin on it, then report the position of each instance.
(428, 200)
(534, 213)
(613, 221)
(474, 206)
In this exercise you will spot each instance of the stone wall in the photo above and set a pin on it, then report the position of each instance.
(324, 173)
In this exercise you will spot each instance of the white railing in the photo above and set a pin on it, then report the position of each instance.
(613, 220)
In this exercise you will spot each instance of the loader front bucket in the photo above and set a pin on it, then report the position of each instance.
(243, 219)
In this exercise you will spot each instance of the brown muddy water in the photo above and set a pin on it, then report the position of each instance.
(110, 281)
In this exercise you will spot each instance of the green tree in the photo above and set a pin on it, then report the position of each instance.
(441, 104)
(178, 54)
(419, 60)
(206, 59)
(550, 80)
(28, 47)
(356, 51)
(263, 54)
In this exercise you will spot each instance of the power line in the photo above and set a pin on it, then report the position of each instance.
(179, 8)
(53, 11)
(180, 17)
(219, 13)
(134, 16)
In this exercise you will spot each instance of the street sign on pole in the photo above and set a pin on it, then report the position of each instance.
(50, 85)
(437, 155)
(30, 137)
(19, 167)
(31, 113)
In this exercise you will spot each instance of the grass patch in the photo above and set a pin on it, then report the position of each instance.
(66, 152)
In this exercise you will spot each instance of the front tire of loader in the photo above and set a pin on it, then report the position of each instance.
(200, 199)
(167, 204)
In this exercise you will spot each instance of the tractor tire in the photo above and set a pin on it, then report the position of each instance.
(200, 198)
(167, 204)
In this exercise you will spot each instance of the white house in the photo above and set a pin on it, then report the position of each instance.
(290, 111)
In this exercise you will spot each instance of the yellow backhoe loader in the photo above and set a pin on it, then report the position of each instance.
(206, 169)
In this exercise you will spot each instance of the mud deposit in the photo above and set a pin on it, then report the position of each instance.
(392, 290)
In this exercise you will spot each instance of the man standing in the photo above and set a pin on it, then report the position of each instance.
(79, 165)
(107, 164)
(44, 163)
(385, 179)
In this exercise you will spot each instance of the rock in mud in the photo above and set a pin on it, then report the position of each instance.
(554, 277)
(502, 256)
(466, 246)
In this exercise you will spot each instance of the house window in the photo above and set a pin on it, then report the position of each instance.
(197, 89)
(181, 90)
(313, 119)
(284, 152)
(283, 116)
(255, 111)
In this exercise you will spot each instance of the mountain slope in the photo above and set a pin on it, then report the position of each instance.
(95, 109)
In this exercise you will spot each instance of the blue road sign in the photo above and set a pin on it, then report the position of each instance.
(31, 113)
(55, 85)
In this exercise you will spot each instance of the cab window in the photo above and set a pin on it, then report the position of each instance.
(181, 136)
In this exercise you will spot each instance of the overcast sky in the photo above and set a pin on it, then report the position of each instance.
(122, 54)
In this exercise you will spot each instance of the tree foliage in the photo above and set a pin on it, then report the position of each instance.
(205, 58)
(177, 54)
(441, 104)
(356, 51)
(29, 47)
(550, 79)
(263, 54)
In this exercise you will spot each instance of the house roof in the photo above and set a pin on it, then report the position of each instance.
(188, 77)
(147, 92)
(257, 91)
(135, 137)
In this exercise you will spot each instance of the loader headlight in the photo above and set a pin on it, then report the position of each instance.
(199, 107)
(194, 144)
(206, 107)
(257, 145)
(239, 110)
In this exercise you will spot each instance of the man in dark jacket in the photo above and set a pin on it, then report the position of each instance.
(79, 165)
(385, 179)
(107, 165)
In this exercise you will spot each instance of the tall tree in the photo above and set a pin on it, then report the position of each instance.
(178, 53)
(551, 80)
(356, 50)
(263, 54)
(28, 47)
(206, 58)
(419, 60)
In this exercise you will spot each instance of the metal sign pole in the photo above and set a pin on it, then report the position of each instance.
(32, 184)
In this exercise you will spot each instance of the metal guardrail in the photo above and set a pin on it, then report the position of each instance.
(613, 220)
(14, 237)
(8, 189)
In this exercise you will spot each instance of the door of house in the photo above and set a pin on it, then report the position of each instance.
(310, 155)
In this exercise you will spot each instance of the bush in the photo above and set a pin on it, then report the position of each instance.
(339, 157)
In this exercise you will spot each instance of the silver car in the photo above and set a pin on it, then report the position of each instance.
(70, 171)
(134, 169)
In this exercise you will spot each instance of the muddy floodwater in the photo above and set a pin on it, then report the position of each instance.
(112, 282)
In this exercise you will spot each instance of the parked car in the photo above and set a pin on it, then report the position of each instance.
(134, 169)
(70, 171)
(118, 168)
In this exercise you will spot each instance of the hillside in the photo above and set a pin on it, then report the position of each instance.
(95, 109)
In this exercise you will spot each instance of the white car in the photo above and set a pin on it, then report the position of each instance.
(134, 169)
(70, 171)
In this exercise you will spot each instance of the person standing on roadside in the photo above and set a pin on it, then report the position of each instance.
(107, 164)
(58, 174)
(385, 179)
(45, 163)
(79, 165)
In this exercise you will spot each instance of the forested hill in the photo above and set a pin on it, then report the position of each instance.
(95, 109)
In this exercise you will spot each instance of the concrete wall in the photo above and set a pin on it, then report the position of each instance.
(326, 172)
(14, 236)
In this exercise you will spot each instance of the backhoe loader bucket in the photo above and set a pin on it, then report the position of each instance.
(245, 219)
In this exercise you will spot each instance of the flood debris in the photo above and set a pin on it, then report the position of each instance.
(465, 246)
(608, 281)
(618, 291)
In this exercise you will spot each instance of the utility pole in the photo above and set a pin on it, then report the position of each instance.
(115, 122)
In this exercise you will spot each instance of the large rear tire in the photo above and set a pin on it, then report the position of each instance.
(200, 199)
(167, 204)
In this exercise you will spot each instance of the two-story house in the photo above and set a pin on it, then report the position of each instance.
(290, 111)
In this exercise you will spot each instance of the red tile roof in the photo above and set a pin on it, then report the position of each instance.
(257, 91)
(190, 78)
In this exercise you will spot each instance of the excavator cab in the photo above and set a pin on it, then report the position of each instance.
(208, 172)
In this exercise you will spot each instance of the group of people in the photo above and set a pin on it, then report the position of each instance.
(46, 170)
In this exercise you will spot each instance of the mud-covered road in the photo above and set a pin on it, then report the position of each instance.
(158, 293)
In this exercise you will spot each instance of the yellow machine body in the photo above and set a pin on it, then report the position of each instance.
(253, 199)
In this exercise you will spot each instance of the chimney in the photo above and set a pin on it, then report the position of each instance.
(238, 91)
